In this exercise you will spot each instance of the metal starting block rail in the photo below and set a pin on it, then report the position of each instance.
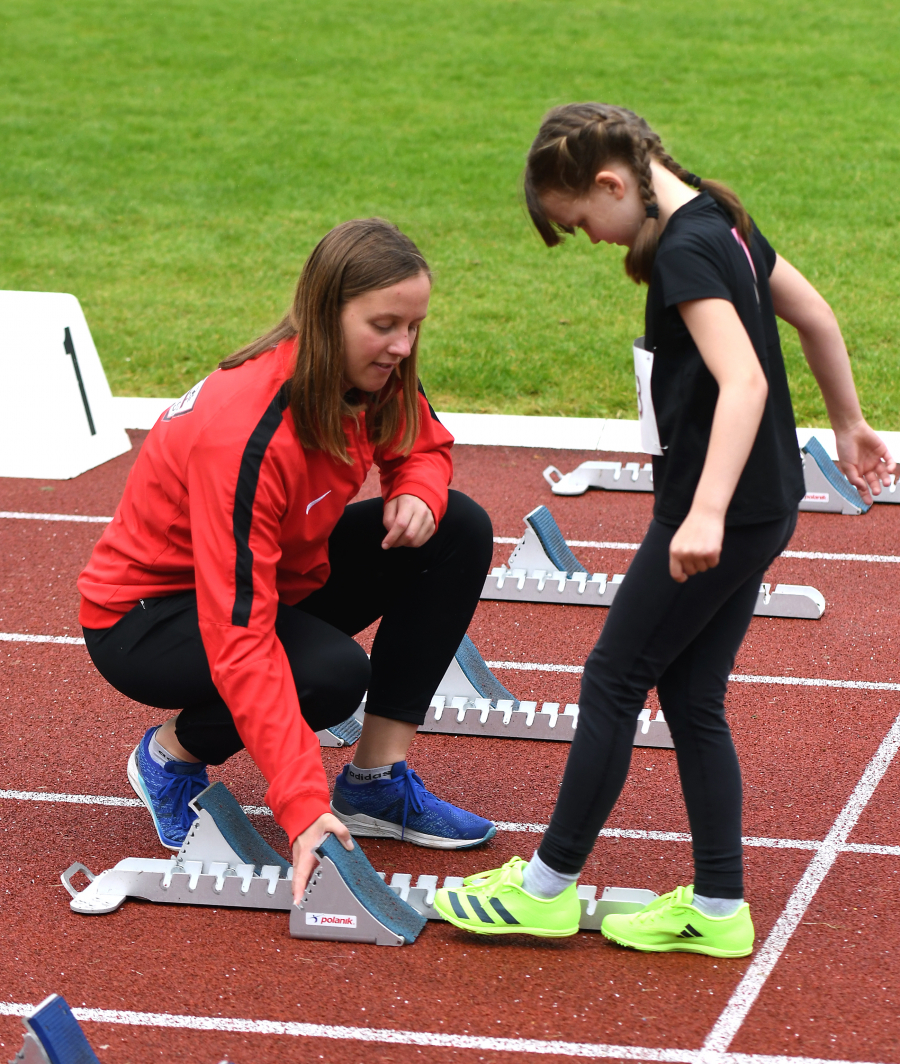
(226, 863)
(470, 700)
(607, 476)
(542, 568)
(827, 489)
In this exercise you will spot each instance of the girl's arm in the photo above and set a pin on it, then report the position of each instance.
(729, 356)
(862, 454)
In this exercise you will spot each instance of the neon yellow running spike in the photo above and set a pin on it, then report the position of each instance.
(494, 903)
(671, 923)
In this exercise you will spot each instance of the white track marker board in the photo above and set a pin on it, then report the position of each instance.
(58, 417)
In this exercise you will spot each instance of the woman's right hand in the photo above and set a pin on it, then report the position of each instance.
(696, 546)
(864, 459)
(305, 844)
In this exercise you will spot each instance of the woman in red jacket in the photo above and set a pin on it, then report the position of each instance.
(234, 574)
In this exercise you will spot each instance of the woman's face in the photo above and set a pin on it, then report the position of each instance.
(611, 212)
(380, 328)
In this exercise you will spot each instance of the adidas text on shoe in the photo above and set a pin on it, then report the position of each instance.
(166, 791)
(671, 923)
(494, 903)
(402, 808)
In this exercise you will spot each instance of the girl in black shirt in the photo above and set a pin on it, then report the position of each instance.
(727, 481)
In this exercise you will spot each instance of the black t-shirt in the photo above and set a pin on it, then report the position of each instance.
(700, 258)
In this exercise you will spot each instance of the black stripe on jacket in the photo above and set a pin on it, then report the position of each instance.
(248, 478)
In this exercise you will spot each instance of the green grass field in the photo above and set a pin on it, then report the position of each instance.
(173, 164)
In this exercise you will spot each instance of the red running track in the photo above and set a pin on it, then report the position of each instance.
(832, 991)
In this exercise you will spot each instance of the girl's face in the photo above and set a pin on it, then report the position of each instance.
(611, 212)
(380, 328)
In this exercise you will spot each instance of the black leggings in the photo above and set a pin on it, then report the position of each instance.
(682, 639)
(425, 597)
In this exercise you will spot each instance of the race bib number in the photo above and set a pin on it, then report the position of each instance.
(643, 371)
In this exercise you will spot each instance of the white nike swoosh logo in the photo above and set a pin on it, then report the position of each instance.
(320, 498)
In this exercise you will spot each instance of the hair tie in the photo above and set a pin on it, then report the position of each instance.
(692, 179)
(652, 210)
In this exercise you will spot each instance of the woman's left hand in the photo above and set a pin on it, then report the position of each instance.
(409, 522)
(696, 546)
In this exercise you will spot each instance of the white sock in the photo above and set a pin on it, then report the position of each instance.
(159, 753)
(542, 881)
(717, 906)
(365, 775)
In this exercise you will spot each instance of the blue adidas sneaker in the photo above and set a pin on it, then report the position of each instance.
(401, 808)
(166, 790)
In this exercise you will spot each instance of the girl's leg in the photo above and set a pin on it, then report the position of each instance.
(651, 623)
(692, 695)
(682, 637)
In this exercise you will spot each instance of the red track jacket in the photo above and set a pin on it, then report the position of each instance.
(224, 500)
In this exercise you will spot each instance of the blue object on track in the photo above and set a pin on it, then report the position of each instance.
(348, 731)
(479, 675)
(541, 522)
(833, 475)
(371, 891)
(58, 1033)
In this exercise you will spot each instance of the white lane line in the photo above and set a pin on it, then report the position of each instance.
(747, 991)
(74, 799)
(83, 518)
(534, 666)
(432, 1039)
(736, 677)
(829, 557)
(540, 666)
(502, 825)
(813, 555)
(805, 681)
(101, 799)
(20, 637)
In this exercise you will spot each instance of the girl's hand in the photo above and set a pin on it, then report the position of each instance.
(305, 859)
(409, 522)
(864, 459)
(696, 546)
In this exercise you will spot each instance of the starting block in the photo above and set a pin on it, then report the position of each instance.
(346, 733)
(59, 418)
(827, 489)
(607, 476)
(346, 899)
(541, 568)
(224, 862)
(54, 1036)
(470, 700)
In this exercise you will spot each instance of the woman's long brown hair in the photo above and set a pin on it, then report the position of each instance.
(576, 141)
(355, 257)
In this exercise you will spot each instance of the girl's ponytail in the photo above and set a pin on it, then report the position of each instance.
(577, 141)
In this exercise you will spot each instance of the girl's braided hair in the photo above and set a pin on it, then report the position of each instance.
(576, 141)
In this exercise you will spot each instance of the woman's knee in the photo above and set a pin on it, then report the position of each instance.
(467, 523)
(332, 686)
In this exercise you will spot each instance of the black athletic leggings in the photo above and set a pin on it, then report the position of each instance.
(425, 597)
(682, 639)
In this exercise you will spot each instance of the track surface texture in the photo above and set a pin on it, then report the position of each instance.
(822, 787)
